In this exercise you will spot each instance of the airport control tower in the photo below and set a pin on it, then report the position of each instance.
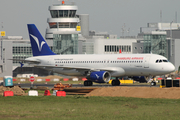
(63, 28)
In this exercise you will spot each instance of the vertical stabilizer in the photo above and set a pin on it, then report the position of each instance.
(38, 44)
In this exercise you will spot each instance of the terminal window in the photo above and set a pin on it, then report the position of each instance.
(116, 48)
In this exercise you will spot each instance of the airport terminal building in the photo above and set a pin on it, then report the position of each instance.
(69, 33)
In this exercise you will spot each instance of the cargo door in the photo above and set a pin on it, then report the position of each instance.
(146, 62)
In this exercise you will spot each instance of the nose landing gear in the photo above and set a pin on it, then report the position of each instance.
(153, 83)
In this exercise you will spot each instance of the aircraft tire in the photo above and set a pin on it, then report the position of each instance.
(153, 83)
(85, 83)
(115, 82)
(88, 83)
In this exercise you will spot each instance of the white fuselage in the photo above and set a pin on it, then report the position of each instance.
(117, 64)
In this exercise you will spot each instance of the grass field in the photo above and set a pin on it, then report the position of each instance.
(88, 108)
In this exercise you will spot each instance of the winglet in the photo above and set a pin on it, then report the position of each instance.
(38, 44)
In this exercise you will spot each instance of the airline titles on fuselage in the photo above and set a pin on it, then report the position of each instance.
(63, 59)
(130, 58)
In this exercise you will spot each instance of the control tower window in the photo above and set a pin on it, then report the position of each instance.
(65, 13)
(73, 25)
(53, 25)
(54, 13)
(60, 13)
(63, 25)
(67, 25)
(72, 13)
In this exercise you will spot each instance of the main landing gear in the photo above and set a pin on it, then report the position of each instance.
(88, 83)
(115, 82)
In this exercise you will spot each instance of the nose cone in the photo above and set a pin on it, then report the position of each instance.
(166, 68)
(171, 67)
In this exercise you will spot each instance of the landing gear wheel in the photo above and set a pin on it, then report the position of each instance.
(85, 83)
(88, 83)
(153, 83)
(115, 82)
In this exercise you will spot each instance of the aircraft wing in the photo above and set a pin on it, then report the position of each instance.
(29, 61)
(110, 69)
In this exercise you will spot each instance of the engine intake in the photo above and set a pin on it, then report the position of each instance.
(100, 76)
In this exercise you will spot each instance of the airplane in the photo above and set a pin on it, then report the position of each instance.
(97, 68)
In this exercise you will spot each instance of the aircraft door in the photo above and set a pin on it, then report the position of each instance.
(146, 62)
(105, 62)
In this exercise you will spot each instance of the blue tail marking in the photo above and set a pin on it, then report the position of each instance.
(38, 44)
(21, 64)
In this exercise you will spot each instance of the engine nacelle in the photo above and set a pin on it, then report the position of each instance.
(100, 76)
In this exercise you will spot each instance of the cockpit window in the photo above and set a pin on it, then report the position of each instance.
(159, 61)
(165, 61)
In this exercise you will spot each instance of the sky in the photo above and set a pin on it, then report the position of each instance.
(104, 15)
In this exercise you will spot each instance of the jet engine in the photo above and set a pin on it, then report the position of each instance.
(100, 76)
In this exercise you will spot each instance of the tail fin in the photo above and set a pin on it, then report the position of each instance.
(38, 44)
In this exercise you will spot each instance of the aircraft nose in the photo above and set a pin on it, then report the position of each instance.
(171, 68)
